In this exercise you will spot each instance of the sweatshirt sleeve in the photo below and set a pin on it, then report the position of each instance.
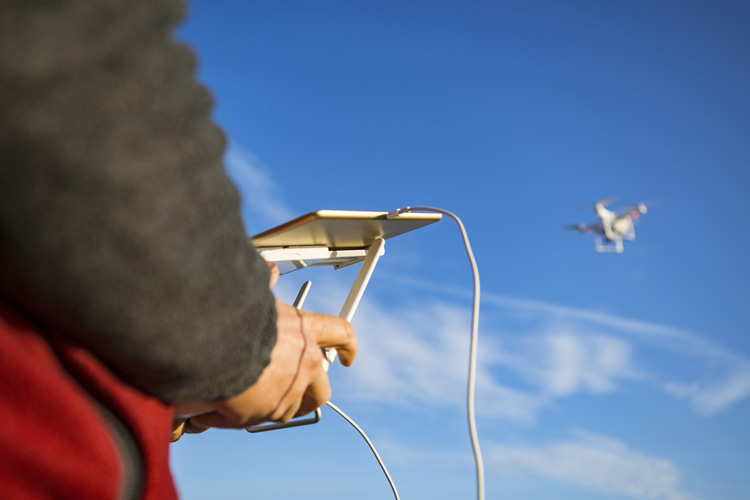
(118, 225)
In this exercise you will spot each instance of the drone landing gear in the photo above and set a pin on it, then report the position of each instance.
(601, 247)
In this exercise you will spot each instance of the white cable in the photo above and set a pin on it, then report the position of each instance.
(369, 443)
(474, 338)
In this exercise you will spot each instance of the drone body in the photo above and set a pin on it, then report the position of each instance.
(612, 227)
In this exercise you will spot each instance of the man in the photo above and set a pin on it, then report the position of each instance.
(127, 284)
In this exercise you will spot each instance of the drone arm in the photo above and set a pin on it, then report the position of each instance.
(598, 244)
(630, 234)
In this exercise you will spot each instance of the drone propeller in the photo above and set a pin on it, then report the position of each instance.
(606, 201)
(651, 203)
(634, 210)
(583, 228)
(638, 209)
(603, 202)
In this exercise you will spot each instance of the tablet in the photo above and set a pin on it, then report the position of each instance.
(341, 229)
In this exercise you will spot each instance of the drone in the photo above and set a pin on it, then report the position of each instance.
(613, 227)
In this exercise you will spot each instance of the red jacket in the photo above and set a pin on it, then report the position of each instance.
(59, 414)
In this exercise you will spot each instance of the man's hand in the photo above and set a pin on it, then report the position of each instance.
(294, 382)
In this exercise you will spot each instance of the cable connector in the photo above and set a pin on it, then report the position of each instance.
(397, 212)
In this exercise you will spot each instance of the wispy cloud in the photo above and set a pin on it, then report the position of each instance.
(708, 393)
(584, 459)
(594, 462)
(562, 350)
(417, 356)
(713, 396)
(262, 201)
(563, 362)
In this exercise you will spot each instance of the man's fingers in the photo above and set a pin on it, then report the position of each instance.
(274, 274)
(316, 396)
(332, 331)
(216, 419)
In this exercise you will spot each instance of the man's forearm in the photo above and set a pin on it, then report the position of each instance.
(118, 225)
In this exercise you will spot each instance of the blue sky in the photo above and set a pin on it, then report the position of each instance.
(600, 375)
